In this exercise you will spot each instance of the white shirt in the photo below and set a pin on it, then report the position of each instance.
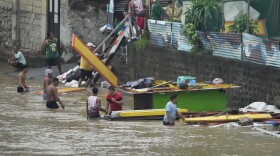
(20, 58)
(92, 102)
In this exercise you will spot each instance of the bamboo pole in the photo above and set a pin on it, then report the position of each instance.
(248, 16)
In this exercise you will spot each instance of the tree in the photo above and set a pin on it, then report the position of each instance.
(206, 15)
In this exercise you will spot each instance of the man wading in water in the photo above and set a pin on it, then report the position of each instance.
(21, 80)
(47, 82)
(53, 96)
(171, 111)
(94, 105)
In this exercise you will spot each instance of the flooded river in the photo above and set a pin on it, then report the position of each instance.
(27, 127)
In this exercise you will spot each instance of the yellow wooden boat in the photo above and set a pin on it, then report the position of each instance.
(143, 113)
(226, 118)
(64, 90)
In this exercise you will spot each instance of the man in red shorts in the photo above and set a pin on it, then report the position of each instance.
(114, 99)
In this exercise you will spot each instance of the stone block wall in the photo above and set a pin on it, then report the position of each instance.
(84, 18)
(259, 82)
(30, 25)
(6, 12)
(23, 22)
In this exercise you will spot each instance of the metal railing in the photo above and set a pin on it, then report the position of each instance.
(114, 30)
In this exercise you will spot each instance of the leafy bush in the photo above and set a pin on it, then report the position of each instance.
(189, 31)
(141, 43)
(240, 25)
(206, 15)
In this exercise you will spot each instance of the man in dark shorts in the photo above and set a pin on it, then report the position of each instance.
(86, 69)
(18, 60)
(114, 100)
(94, 105)
(21, 80)
(52, 96)
(47, 82)
(52, 52)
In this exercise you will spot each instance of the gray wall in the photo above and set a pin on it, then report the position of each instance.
(259, 83)
(6, 13)
(84, 18)
(25, 21)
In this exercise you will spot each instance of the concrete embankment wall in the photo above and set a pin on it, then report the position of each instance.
(259, 82)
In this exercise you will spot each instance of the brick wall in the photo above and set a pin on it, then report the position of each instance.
(259, 83)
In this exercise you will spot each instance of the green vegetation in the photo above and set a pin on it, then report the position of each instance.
(240, 25)
(189, 31)
(204, 15)
(141, 43)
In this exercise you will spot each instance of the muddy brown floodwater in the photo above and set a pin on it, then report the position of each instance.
(27, 127)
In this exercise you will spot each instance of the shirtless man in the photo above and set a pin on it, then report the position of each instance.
(52, 98)
(21, 80)
(47, 82)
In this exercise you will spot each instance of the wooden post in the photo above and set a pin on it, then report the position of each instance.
(248, 16)
(223, 16)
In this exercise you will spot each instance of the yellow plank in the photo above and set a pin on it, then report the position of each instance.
(146, 112)
(97, 64)
(227, 118)
(64, 90)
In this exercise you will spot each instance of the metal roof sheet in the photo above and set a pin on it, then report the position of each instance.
(226, 44)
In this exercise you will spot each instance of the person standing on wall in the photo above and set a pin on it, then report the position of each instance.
(114, 99)
(52, 52)
(126, 7)
(137, 12)
(86, 69)
(156, 10)
(178, 10)
(171, 111)
(169, 11)
(17, 60)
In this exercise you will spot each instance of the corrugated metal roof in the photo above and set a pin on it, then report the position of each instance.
(119, 5)
(164, 33)
(179, 39)
(226, 44)
(254, 50)
(160, 32)
(272, 53)
(206, 44)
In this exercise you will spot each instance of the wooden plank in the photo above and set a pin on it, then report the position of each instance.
(227, 118)
(96, 63)
(64, 90)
